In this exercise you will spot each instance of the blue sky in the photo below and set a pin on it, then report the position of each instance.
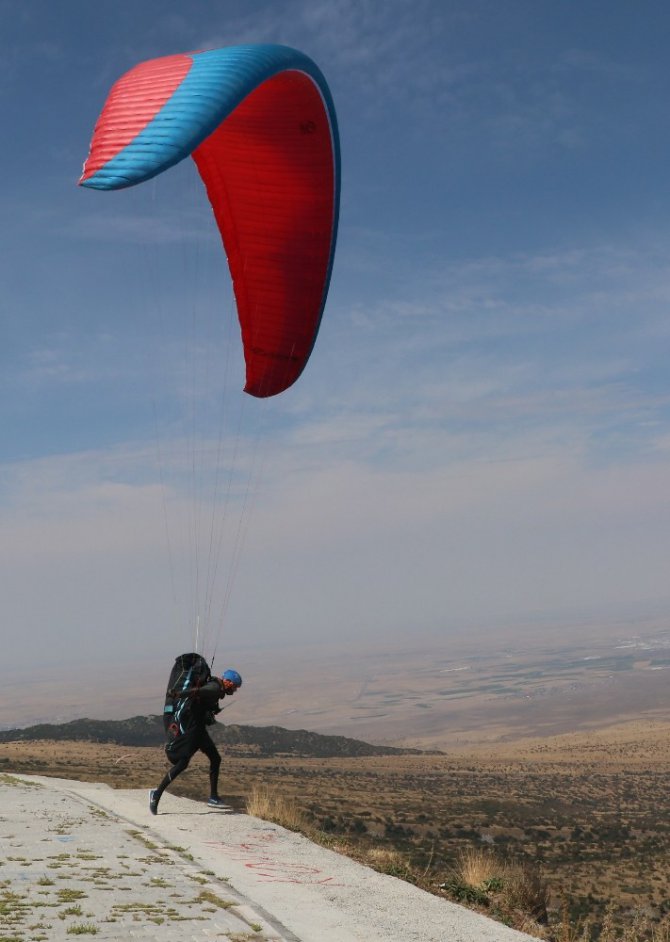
(482, 433)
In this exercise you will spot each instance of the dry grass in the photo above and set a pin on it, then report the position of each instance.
(476, 866)
(512, 890)
(268, 804)
(385, 859)
(640, 929)
(518, 894)
(526, 891)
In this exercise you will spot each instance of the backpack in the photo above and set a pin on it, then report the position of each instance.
(188, 671)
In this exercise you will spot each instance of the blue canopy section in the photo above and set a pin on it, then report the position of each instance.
(216, 83)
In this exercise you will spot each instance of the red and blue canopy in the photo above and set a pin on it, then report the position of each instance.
(260, 124)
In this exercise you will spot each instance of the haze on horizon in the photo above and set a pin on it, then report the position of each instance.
(482, 434)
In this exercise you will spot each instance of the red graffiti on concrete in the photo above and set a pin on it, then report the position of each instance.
(268, 868)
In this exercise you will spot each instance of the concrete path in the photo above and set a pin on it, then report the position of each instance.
(80, 859)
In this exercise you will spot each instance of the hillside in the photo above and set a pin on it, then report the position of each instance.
(587, 812)
(250, 741)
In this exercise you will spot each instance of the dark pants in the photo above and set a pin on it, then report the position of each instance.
(181, 751)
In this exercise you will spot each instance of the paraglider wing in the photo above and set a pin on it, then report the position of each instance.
(260, 125)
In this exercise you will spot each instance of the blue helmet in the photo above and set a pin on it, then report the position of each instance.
(233, 677)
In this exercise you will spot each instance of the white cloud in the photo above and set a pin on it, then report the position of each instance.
(471, 531)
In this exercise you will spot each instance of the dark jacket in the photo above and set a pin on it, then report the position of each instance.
(200, 704)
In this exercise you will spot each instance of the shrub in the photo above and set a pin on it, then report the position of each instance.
(515, 890)
(267, 804)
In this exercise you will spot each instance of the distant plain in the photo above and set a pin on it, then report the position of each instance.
(459, 692)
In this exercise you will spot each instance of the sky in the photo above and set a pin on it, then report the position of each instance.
(482, 434)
